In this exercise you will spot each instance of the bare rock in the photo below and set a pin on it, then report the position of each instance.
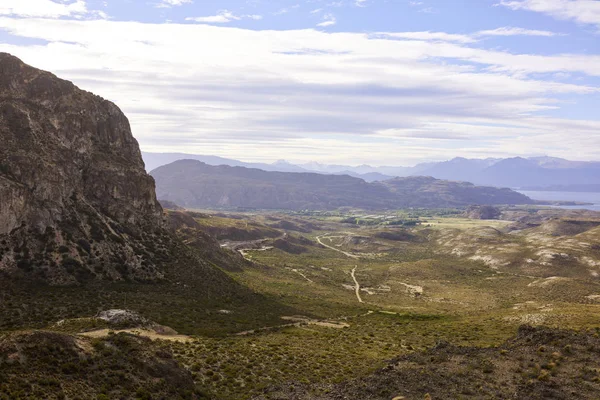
(75, 201)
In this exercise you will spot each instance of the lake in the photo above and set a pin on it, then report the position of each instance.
(586, 197)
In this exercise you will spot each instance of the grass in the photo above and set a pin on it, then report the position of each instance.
(465, 299)
(462, 223)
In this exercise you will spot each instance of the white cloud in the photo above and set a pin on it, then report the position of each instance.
(581, 11)
(308, 94)
(360, 3)
(47, 8)
(223, 17)
(316, 11)
(470, 38)
(328, 20)
(427, 36)
(512, 31)
(173, 3)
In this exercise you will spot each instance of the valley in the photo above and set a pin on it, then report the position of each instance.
(364, 294)
(355, 290)
(239, 283)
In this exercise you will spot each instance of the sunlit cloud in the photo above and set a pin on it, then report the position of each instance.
(389, 98)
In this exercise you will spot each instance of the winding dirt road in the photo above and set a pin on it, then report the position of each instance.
(333, 248)
(357, 286)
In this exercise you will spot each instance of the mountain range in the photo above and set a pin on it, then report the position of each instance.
(194, 184)
(514, 172)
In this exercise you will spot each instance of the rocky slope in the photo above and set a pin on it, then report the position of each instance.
(78, 211)
(193, 184)
(539, 363)
(75, 201)
(48, 365)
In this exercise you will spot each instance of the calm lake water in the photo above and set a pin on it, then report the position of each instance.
(593, 198)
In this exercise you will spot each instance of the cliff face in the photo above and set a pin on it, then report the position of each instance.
(75, 200)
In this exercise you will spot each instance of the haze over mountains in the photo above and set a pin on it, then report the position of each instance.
(194, 184)
(517, 172)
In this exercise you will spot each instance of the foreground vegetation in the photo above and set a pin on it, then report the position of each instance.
(424, 277)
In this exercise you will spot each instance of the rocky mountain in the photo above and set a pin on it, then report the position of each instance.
(79, 212)
(76, 203)
(193, 184)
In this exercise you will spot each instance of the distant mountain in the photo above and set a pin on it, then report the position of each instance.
(369, 177)
(155, 160)
(520, 172)
(517, 172)
(428, 192)
(508, 172)
(193, 184)
(461, 169)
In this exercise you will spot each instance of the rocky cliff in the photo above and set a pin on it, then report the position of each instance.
(75, 200)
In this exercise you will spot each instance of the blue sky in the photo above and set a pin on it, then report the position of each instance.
(348, 81)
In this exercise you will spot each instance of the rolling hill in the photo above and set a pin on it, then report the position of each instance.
(194, 184)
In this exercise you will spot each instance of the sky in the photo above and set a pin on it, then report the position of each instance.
(380, 82)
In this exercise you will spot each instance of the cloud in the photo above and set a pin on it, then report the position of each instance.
(47, 9)
(173, 3)
(309, 94)
(428, 36)
(466, 39)
(360, 3)
(328, 20)
(581, 11)
(512, 31)
(223, 17)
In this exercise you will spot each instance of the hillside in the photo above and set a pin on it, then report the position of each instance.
(193, 184)
(539, 363)
(425, 191)
(80, 226)
(50, 365)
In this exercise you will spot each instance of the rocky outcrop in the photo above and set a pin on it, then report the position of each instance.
(75, 200)
(49, 365)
